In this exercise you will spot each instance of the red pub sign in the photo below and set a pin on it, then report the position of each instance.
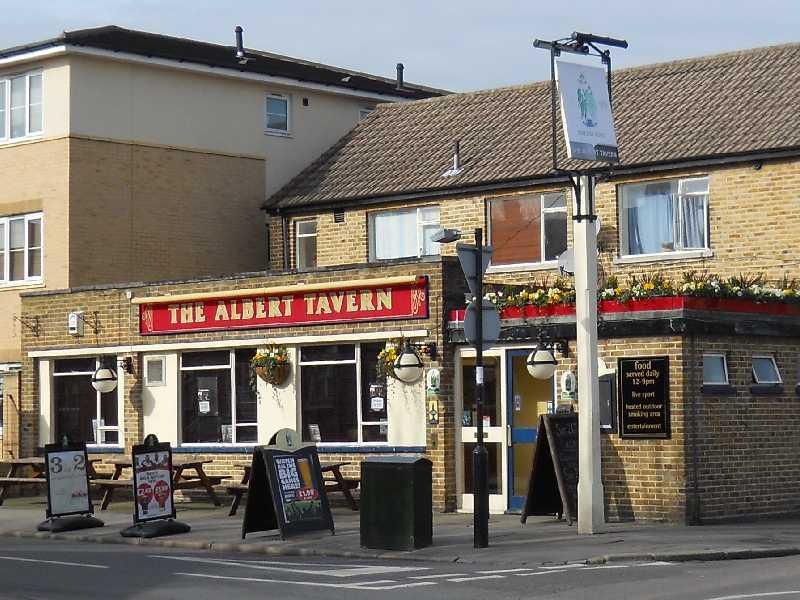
(367, 300)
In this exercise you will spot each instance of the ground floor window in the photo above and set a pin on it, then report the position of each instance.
(2, 395)
(343, 397)
(80, 412)
(218, 397)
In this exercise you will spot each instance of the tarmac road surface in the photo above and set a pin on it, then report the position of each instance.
(55, 570)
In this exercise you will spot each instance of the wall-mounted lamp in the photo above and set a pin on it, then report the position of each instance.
(408, 366)
(542, 362)
(126, 364)
(104, 379)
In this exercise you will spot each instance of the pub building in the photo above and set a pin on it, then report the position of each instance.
(700, 414)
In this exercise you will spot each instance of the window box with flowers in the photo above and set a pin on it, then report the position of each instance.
(272, 364)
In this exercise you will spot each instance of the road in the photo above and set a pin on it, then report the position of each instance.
(54, 570)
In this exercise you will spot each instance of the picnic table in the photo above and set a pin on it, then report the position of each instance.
(180, 480)
(16, 467)
(337, 484)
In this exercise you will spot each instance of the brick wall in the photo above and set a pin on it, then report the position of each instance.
(117, 325)
(744, 203)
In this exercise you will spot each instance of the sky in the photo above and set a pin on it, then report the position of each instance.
(458, 45)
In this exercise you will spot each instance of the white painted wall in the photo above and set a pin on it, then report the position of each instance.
(156, 105)
(277, 405)
(406, 412)
(45, 402)
(160, 403)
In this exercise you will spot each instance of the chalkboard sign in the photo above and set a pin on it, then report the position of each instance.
(286, 492)
(644, 397)
(152, 482)
(67, 480)
(553, 486)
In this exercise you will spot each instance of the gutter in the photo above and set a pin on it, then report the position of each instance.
(606, 174)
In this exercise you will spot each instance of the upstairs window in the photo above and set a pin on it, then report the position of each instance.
(765, 370)
(277, 117)
(306, 238)
(664, 216)
(403, 233)
(527, 229)
(20, 106)
(715, 369)
(21, 249)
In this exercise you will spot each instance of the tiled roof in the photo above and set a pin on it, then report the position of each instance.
(118, 39)
(740, 102)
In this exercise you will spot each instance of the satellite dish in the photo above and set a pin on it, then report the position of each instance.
(566, 262)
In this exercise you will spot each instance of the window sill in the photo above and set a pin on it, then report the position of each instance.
(212, 448)
(26, 138)
(766, 389)
(717, 389)
(104, 449)
(539, 266)
(663, 256)
(367, 448)
(278, 133)
(19, 285)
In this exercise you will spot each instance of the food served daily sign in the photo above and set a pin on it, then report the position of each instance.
(67, 481)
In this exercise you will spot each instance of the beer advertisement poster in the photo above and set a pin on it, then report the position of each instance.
(152, 481)
(300, 496)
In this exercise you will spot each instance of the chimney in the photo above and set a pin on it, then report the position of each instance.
(239, 44)
(456, 156)
(400, 76)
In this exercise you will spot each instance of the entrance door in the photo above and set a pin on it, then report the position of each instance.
(493, 430)
(527, 399)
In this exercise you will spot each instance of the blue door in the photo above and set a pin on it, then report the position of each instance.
(528, 398)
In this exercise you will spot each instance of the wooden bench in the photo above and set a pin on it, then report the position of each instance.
(109, 485)
(237, 490)
(4, 480)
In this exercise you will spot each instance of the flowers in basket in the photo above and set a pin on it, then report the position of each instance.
(387, 357)
(272, 364)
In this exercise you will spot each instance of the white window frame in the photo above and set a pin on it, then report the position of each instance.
(298, 235)
(5, 82)
(5, 247)
(155, 382)
(102, 430)
(529, 266)
(234, 423)
(271, 130)
(724, 368)
(421, 223)
(775, 366)
(2, 399)
(677, 253)
(361, 423)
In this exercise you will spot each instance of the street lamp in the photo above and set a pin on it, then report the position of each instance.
(541, 363)
(480, 457)
(408, 366)
(104, 379)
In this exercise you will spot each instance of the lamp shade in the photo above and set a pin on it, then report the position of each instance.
(541, 363)
(408, 367)
(104, 380)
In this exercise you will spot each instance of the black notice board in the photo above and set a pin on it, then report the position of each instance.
(553, 486)
(644, 397)
(286, 492)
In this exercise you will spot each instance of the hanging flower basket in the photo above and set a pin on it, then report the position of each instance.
(387, 358)
(272, 365)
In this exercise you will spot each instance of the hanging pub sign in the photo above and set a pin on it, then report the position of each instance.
(152, 482)
(286, 492)
(366, 300)
(67, 480)
(553, 485)
(644, 397)
(586, 112)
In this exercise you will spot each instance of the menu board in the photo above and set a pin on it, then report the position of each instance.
(644, 397)
(553, 486)
(286, 492)
(152, 482)
(67, 480)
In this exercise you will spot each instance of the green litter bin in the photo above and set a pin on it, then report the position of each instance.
(396, 503)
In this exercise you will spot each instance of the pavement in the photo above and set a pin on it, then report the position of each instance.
(541, 541)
